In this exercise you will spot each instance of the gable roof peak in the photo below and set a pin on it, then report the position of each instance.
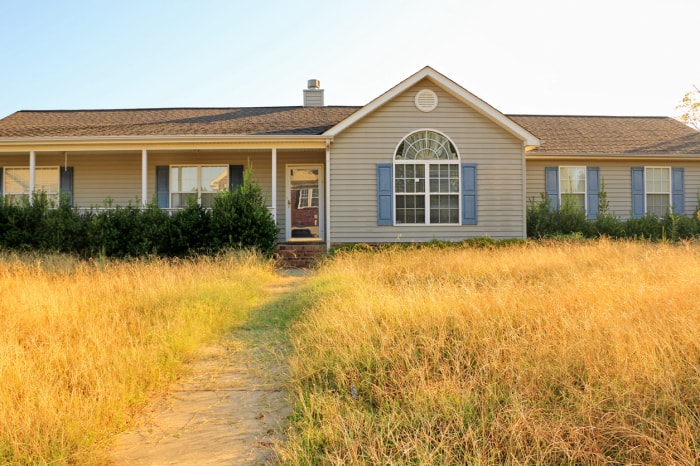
(449, 86)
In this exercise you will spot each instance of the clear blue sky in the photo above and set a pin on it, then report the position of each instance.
(606, 57)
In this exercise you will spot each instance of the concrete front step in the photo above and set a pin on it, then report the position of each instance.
(299, 255)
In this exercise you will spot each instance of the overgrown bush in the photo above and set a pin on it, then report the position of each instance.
(241, 219)
(543, 221)
(237, 219)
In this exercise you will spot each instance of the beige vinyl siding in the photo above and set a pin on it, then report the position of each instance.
(617, 176)
(356, 151)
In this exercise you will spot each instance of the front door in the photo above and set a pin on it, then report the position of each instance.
(305, 203)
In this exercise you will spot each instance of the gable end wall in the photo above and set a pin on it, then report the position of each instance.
(357, 150)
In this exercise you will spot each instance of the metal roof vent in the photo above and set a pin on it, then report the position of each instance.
(313, 94)
(426, 100)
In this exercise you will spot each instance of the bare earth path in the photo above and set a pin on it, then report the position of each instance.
(229, 411)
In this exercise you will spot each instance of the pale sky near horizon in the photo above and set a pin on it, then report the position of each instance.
(593, 57)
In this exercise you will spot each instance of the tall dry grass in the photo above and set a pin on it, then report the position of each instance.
(83, 344)
(533, 354)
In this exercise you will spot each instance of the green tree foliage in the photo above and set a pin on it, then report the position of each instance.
(690, 109)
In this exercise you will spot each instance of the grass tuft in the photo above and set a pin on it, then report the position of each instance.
(82, 344)
(538, 353)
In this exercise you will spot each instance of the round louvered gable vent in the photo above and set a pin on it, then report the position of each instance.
(426, 100)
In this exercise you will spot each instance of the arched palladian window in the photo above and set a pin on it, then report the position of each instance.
(426, 180)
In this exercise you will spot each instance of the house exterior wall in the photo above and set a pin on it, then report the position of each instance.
(617, 176)
(356, 151)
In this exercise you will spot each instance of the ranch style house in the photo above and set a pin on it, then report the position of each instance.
(425, 160)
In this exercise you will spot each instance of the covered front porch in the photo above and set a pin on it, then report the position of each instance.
(293, 175)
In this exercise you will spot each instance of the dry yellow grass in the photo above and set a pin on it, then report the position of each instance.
(82, 344)
(534, 354)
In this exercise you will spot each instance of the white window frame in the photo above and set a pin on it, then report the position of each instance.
(427, 192)
(37, 189)
(670, 186)
(198, 182)
(585, 185)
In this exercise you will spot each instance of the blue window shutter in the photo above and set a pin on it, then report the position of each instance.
(551, 183)
(592, 191)
(385, 194)
(66, 184)
(163, 186)
(637, 192)
(678, 191)
(235, 177)
(469, 201)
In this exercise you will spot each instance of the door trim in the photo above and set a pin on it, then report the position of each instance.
(288, 202)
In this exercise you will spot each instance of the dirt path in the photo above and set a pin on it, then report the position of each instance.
(229, 411)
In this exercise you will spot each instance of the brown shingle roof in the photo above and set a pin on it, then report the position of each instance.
(559, 134)
(174, 122)
(610, 135)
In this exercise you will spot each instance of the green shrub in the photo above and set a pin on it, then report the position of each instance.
(190, 230)
(240, 219)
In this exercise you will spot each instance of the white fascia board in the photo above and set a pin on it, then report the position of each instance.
(600, 156)
(528, 139)
(184, 142)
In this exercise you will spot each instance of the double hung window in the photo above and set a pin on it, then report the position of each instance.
(658, 190)
(16, 183)
(572, 186)
(426, 180)
(197, 183)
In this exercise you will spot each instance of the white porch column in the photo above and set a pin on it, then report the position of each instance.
(274, 184)
(328, 194)
(144, 177)
(32, 176)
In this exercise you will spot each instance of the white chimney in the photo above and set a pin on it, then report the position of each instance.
(313, 94)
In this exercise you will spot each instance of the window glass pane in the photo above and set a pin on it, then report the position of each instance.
(410, 209)
(183, 179)
(16, 181)
(444, 208)
(576, 199)
(658, 204)
(426, 145)
(572, 180)
(214, 179)
(658, 180)
(413, 179)
(444, 178)
(46, 180)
